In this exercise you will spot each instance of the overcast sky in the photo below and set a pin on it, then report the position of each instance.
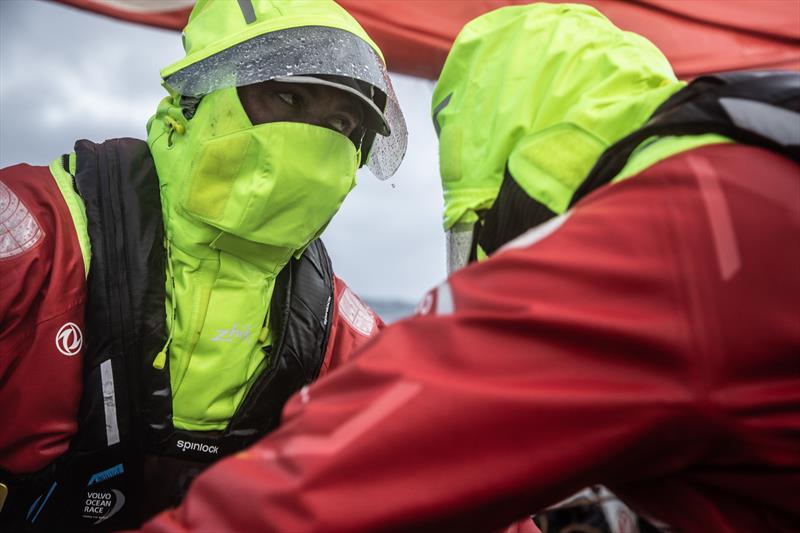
(66, 75)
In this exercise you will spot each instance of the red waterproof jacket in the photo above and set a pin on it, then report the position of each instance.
(42, 298)
(648, 341)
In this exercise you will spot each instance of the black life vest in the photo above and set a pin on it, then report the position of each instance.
(127, 461)
(755, 108)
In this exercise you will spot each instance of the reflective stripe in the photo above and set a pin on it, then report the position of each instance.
(719, 216)
(775, 123)
(109, 402)
(377, 411)
(33, 507)
(437, 110)
(248, 11)
(538, 233)
(458, 244)
(44, 502)
(444, 299)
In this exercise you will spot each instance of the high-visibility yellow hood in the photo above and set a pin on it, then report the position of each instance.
(543, 89)
(217, 25)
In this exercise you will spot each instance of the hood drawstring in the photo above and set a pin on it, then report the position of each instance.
(161, 358)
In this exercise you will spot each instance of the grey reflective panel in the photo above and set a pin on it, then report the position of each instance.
(109, 402)
(775, 123)
(437, 110)
(303, 51)
(458, 242)
(248, 12)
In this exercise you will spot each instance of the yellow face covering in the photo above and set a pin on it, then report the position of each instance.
(277, 184)
(239, 200)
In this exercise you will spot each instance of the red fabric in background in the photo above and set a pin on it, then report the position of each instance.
(698, 36)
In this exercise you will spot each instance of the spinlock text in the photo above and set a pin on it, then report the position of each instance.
(184, 445)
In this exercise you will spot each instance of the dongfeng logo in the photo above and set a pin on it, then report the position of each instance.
(69, 339)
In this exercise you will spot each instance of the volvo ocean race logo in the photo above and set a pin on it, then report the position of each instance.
(69, 339)
(102, 504)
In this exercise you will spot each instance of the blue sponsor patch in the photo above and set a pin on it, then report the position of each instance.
(106, 474)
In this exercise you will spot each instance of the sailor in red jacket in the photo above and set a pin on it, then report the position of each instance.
(646, 340)
(160, 301)
(42, 309)
(42, 299)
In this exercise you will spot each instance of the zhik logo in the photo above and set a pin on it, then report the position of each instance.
(69, 339)
(184, 445)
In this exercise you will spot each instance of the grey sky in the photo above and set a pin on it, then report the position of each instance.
(67, 75)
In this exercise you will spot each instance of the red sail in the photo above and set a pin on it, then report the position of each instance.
(698, 36)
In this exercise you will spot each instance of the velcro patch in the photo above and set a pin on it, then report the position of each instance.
(19, 231)
(356, 313)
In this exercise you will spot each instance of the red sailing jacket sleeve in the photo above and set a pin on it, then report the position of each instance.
(42, 298)
(647, 341)
(354, 323)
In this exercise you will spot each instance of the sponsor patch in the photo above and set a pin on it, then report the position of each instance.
(19, 231)
(355, 313)
(185, 445)
(234, 333)
(102, 504)
(107, 474)
(69, 339)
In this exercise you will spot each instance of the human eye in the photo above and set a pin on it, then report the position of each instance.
(290, 99)
(341, 124)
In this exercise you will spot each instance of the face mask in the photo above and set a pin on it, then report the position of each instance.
(276, 184)
(238, 201)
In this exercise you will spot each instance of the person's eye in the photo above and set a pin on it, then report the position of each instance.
(341, 124)
(290, 99)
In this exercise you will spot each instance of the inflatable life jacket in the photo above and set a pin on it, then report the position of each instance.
(127, 460)
(755, 108)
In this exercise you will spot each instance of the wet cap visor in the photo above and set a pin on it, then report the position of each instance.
(305, 51)
(373, 120)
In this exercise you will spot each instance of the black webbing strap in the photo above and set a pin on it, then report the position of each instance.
(512, 214)
(756, 108)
